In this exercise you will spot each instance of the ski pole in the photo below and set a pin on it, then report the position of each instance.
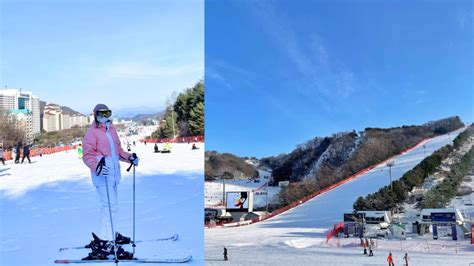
(111, 220)
(133, 210)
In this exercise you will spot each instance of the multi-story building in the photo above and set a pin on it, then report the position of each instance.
(25, 121)
(79, 120)
(55, 119)
(25, 106)
(52, 118)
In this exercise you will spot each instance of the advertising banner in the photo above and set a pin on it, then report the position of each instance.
(237, 201)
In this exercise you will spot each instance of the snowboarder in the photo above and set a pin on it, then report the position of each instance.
(390, 259)
(167, 148)
(156, 148)
(79, 151)
(194, 147)
(406, 259)
(26, 153)
(225, 254)
(1, 155)
(101, 153)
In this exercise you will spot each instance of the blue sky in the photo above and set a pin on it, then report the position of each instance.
(279, 73)
(123, 53)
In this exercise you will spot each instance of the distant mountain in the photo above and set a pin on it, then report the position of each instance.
(131, 112)
(228, 166)
(141, 118)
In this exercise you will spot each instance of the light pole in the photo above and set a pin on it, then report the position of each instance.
(223, 192)
(266, 197)
(390, 164)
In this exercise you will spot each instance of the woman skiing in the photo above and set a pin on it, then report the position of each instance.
(102, 153)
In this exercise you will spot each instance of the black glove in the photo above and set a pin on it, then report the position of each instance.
(102, 169)
(134, 159)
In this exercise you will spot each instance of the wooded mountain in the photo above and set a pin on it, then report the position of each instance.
(330, 159)
(227, 166)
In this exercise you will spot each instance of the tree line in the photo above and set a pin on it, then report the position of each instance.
(388, 198)
(184, 114)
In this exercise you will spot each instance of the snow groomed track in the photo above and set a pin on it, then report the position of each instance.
(298, 235)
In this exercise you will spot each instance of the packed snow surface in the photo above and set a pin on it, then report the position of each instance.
(52, 203)
(298, 236)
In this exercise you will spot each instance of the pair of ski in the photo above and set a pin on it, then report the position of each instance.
(184, 258)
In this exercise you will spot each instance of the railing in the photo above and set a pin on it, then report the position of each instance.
(36, 151)
(175, 140)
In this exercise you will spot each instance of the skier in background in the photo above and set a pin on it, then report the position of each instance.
(1, 155)
(156, 148)
(26, 153)
(365, 246)
(390, 259)
(167, 148)
(225, 254)
(101, 153)
(79, 151)
(17, 155)
(406, 259)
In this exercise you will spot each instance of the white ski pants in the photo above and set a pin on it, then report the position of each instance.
(105, 229)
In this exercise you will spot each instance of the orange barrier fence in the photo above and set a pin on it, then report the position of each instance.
(36, 151)
(331, 187)
(175, 140)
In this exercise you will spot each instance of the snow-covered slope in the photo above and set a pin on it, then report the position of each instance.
(51, 203)
(297, 237)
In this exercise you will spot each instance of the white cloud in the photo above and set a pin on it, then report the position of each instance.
(326, 78)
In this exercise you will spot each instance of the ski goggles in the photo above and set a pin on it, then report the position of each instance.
(104, 113)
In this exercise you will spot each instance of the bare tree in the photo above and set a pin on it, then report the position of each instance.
(11, 131)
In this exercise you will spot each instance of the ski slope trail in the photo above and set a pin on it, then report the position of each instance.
(52, 203)
(299, 235)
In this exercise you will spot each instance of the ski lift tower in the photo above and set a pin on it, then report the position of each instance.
(390, 164)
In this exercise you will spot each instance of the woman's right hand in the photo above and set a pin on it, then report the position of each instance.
(105, 171)
(102, 169)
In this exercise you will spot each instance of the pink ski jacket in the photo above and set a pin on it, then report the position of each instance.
(103, 141)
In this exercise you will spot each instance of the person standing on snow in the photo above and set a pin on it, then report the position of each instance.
(101, 153)
(406, 259)
(17, 153)
(390, 259)
(79, 151)
(26, 153)
(225, 254)
(1, 155)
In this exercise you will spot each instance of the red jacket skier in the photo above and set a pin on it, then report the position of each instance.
(390, 259)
